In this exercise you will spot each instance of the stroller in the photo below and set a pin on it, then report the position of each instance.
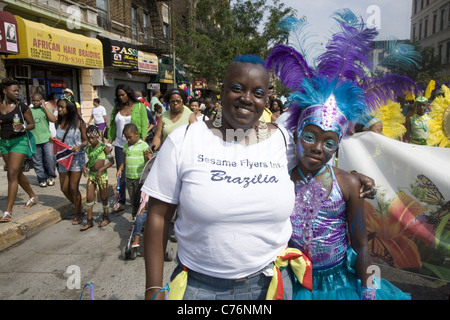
(141, 199)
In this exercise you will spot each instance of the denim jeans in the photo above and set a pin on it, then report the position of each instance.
(44, 162)
(139, 223)
(254, 287)
(120, 157)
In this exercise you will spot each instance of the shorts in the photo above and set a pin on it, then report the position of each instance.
(18, 144)
(77, 164)
(101, 126)
(99, 183)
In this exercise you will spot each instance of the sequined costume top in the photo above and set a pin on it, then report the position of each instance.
(330, 240)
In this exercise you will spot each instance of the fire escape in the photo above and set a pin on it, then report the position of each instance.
(159, 42)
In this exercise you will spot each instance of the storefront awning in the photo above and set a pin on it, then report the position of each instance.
(9, 43)
(119, 54)
(165, 72)
(40, 42)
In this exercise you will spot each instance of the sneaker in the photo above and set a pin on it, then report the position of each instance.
(50, 181)
(135, 244)
(43, 184)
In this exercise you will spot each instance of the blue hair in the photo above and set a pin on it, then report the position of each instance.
(250, 58)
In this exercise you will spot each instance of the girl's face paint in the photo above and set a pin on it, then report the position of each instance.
(315, 147)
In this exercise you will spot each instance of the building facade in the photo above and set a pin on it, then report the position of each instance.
(89, 47)
(430, 26)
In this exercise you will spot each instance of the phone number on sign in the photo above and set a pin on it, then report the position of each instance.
(68, 59)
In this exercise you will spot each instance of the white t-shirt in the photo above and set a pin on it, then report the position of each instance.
(121, 121)
(234, 201)
(98, 113)
(202, 118)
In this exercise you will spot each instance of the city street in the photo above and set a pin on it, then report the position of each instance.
(56, 260)
(46, 266)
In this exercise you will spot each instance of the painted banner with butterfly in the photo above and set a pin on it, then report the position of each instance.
(408, 222)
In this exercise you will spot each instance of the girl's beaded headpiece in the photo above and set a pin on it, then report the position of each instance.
(334, 89)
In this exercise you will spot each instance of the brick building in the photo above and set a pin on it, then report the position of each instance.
(89, 46)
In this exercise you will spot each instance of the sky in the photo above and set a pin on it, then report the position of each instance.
(392, 18)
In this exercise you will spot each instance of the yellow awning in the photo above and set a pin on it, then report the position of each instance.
(40, 42)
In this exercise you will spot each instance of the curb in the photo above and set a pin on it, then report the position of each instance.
(19, 230)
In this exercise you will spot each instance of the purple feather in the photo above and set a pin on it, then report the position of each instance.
(346, 54)
(379, 90)
(289, 65)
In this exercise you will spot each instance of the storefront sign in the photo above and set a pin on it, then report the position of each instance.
(41, 42)
(147, 62)
(9, 43)
(199, 84)
(119, 54)
(153, 86)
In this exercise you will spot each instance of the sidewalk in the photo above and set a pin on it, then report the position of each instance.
(51, 208)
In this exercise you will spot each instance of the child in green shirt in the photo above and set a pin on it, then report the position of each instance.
(137, 153)
(100, 159)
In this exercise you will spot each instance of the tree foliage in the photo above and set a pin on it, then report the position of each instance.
(219, 32)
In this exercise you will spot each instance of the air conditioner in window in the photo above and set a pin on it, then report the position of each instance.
(22, 72)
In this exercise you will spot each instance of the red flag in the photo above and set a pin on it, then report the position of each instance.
(63, 153)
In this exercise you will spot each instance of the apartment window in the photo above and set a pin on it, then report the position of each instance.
(145, 26)
(434, 23)
(420, 31)
(425, 28)
(447, 54)
(442, 19)
(166, 30)
(415, 6)
(134, 23)
(103, 14)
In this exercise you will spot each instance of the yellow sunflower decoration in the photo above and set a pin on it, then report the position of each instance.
(440, 120)
(393, 120)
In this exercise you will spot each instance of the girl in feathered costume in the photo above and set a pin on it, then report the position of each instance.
(328, 219)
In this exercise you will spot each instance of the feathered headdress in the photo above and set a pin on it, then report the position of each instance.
(341, 77)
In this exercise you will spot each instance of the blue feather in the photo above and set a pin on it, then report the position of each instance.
(346, 16)
(400, 56)
(350, 98)
(299, 37)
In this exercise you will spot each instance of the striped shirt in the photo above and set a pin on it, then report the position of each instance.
(134, 159)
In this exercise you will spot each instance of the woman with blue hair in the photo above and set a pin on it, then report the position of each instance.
(221, 177)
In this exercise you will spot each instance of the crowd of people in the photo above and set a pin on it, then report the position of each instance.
(95, 146)
(216, 170)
